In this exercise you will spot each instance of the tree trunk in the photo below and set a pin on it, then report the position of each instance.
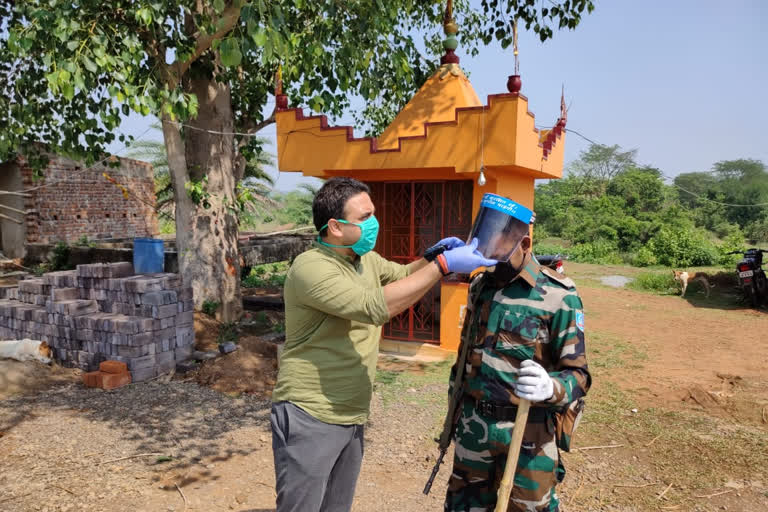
(206, 233)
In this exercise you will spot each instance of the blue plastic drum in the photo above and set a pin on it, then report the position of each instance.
(499, 227)
(148, 255)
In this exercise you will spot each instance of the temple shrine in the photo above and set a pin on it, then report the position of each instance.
(428, 171)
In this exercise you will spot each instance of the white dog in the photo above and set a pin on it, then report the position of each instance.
(26, 350)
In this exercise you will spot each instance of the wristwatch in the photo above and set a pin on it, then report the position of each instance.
(433, 252)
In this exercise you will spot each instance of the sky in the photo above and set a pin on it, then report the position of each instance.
(684, 82)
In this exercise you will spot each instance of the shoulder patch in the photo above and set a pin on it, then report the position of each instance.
(580, 320)
(561, 279)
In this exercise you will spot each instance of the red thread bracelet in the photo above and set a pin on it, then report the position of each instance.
(442, 264)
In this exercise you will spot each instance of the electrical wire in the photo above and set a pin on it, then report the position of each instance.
(50, 183)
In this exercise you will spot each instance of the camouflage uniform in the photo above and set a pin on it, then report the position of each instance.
(536, 316)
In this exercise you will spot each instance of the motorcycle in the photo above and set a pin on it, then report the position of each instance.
(752, 276)
(553, 261)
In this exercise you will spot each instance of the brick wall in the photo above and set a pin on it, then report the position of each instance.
(76, 202)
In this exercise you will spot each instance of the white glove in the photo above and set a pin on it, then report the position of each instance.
(534, 383)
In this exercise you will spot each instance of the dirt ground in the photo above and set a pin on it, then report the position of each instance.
(677, 420)
(31, 377)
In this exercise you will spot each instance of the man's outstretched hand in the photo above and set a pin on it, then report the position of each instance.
(466, 259)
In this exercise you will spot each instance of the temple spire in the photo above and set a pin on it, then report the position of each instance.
(450, 43)
(514, 84)
(281, 100)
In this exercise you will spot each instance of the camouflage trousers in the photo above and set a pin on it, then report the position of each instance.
(482, 445)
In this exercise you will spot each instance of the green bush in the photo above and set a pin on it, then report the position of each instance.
(548, 248)
(644, 257)
(733, 242)
(267, 276)
(657, 282)
(59, 259)
(682, 247)
(210, 307)
(600, 251)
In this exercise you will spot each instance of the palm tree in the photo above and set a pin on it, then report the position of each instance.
(256, 181)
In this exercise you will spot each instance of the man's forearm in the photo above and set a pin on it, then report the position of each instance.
(417, 265)
(401, 294)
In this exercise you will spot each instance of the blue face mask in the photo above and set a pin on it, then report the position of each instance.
(369, 232)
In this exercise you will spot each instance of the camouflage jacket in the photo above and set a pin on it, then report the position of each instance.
(539, 316)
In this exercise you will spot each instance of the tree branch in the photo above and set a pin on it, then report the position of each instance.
(226, 23)
(250, 128)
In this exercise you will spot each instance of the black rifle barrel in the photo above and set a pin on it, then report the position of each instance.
(434, 471)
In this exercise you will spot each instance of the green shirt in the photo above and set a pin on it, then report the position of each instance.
(334, 310)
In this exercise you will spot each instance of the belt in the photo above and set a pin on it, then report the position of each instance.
(503, 412)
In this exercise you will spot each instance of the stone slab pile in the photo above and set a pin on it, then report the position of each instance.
(104, 312)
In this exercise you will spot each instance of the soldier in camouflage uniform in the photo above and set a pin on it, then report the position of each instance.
(526, 324)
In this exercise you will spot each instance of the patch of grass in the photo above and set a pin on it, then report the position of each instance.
(607, 352)
(662, 283)
(426, 386)
(228, 332)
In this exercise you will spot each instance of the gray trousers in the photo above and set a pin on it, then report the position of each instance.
(316, 463)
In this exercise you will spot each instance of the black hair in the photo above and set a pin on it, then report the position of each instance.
(331, 199)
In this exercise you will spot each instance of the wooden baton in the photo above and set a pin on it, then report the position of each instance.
(505, 488)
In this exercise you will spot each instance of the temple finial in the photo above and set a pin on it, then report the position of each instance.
(514, 84)
(281, 100)
(563, 108)
(450, 43)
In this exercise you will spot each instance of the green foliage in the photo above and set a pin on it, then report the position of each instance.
(70, 71)
(644, 257)
(228, 332)
(198, 193)
(682, 248)
(210, 307)
(269, 275)
(733, 242)
(600, 251)
(736, 182)
(83, 241)
(657, 282)
(607, 207)
(167, 226)
(41, 269)
(59, 259)
(547, 247)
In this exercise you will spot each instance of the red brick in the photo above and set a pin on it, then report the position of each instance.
(91, 379)
(113, 367)
(114, 380)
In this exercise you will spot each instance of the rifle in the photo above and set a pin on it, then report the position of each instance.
(454, 409)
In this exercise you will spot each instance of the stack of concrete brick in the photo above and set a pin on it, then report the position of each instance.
(103, 311)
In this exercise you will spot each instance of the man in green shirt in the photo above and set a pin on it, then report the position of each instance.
(337, 296)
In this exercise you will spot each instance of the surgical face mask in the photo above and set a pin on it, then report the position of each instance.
(369, 232)
(505, 271)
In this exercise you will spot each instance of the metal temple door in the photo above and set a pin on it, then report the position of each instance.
(413, 217)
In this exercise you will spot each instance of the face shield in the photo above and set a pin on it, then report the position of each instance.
(500, 226)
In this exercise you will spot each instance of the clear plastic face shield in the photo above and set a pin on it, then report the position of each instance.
(500, 226)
